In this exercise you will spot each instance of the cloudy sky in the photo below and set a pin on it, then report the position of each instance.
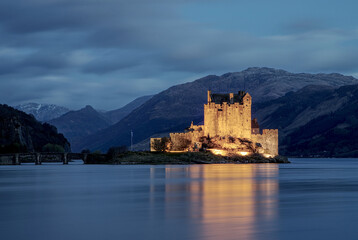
(107, 52)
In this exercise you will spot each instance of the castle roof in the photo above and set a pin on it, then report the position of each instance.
(220, 98)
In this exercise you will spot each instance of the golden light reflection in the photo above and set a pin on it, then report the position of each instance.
(228, 201)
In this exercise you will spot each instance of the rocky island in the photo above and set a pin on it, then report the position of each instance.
(228, 131)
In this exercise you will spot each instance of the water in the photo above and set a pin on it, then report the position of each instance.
(308, 199)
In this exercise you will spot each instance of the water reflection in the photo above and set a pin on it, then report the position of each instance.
(308, 199)
(225, 201)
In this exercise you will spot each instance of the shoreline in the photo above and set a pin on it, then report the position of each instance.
(135, 158)
(163, 158)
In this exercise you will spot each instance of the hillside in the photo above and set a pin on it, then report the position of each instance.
(116, 115)
(22, 132)
(43, 112)
(174, 108)
(78, 124)
(314, 121)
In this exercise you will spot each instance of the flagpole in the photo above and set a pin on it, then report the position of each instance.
(131, 140)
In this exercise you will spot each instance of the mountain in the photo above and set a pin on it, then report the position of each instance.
(78, 124)
(314, 121)
(174, 108)
(42, 112)
(116, 115)
(22, 132)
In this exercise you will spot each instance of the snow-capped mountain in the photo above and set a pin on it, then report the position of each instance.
(43, 112)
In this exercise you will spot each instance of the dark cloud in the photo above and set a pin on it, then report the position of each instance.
(112, 60)
(7, 66)
(105, 53)
(46, 60)
(35, 63)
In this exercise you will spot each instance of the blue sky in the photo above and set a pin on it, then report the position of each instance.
(106, 53)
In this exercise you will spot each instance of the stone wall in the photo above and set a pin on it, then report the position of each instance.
(18, 158)
(176, 139)
(7, 159)
(268, 140)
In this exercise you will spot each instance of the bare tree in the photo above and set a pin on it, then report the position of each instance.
(181, 144)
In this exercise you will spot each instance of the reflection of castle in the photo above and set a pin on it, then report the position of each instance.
(227, 126)
(223, 201)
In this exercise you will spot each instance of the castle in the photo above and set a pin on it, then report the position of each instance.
(228, 129)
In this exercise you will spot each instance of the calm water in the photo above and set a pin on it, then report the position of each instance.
(308, 199)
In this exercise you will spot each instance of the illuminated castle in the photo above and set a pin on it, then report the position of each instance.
(228, 128)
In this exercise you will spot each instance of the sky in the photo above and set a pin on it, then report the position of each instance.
(106, 53)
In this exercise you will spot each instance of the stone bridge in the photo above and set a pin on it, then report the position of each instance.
(38, 158)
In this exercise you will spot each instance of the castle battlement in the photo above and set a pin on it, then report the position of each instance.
(269, 131)
(224, 105)
(177, 134)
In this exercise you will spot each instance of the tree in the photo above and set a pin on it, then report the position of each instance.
(85, 151)
(181, 143)
(160, 145)
(13, 148)
(115, 151)
(49, 147)
(97, 152)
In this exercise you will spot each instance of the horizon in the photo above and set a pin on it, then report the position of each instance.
(106, 54)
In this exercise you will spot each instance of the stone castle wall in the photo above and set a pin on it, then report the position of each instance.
(177, 138)
(228, 119)
(268, 140)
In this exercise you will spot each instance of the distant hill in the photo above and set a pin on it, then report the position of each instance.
(22, 132)
(314, 121)
(174, 108)
(43, 112)
(76, 125)
(116, 115)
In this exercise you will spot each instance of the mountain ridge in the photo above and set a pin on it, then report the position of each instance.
(116, 115)
(324, 124)
(174, 108)
(42, 112)
(80, 123)
(22, 132)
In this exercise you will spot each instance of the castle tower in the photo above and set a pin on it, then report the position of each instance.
(228, 114)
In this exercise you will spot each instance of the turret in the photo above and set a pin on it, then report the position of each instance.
(231, 98)
(209, 96)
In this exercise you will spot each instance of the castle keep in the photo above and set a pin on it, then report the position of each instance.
(228, 129)
(228, 115)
